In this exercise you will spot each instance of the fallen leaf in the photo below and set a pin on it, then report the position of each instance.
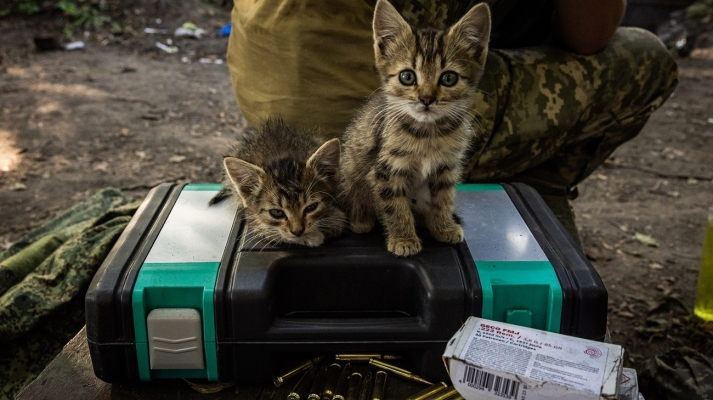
(665, 287)
(708, 327)
(176, 158)
(60, 161)
(595, 254)
(101, 166)
(646, 239)
(655, 266)
(626, 314)
(123, 70)
(151, 117)
(210, 387)
(16, 187)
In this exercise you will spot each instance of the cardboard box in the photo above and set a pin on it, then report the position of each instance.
(494, 360)
(629, 385)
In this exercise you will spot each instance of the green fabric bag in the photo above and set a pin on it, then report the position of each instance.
(50, 270)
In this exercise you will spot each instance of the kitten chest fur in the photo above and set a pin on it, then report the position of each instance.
(423, 156)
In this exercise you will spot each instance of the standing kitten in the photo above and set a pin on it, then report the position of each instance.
(286, 184)
(404, 150)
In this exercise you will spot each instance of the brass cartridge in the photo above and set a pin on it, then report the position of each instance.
(331, 383)
(364, 357)
(379, 386)
(353, 386)
(366, 386)
(449, 394)
(424, 394)
(300, 391)
(315, 392)
(341, 389)
(278, 381)
(398, 371)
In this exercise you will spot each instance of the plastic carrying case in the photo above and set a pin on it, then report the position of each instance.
(188, 292)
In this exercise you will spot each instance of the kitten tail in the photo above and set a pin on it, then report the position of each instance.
(223, 194)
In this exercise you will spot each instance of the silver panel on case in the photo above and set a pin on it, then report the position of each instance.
(494, 229)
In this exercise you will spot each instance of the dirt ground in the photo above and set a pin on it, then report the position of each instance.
(123, 113)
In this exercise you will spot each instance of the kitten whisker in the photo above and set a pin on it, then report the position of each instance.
(483, 91)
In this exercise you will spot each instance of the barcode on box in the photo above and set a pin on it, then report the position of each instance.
(484, 381)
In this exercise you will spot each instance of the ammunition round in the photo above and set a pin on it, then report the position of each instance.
(366, 387)
(315, 392)
(398, 371)
(379, 386)
(449, 393)
(304, 366)
(424, 394)
(331, 382)
(353, 386)
(301, 388)
(341, 388)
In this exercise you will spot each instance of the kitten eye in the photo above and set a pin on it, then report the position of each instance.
(310, 208)
(407, 77)
(448, 78)
(277, 213)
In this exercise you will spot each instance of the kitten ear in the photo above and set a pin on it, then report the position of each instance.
(387, 26)
(474, 28)
(246, 177)
(326, 159)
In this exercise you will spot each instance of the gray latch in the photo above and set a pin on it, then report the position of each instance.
(175, 338)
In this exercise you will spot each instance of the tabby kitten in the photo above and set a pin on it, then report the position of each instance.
(285, 180)
(404, 150)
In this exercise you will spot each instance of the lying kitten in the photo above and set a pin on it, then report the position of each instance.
(285, 181)
(404, 150)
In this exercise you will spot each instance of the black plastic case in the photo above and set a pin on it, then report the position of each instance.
(280, 304)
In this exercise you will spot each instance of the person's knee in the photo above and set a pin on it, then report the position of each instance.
(647, 60)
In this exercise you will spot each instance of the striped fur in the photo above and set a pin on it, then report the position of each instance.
(403, 152)
(285, 180)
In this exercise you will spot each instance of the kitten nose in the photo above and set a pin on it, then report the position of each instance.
(426, 100)
(297, 230)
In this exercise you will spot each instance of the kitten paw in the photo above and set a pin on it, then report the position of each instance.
(361, 226)
(404, 247)
(449, 234)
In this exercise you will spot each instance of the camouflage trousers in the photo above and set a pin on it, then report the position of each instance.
(542, 113)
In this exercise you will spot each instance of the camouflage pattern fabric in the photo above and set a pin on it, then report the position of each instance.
(16, 267)
(545, 115)
(45, 309)
(547, 108)
(681, 374)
